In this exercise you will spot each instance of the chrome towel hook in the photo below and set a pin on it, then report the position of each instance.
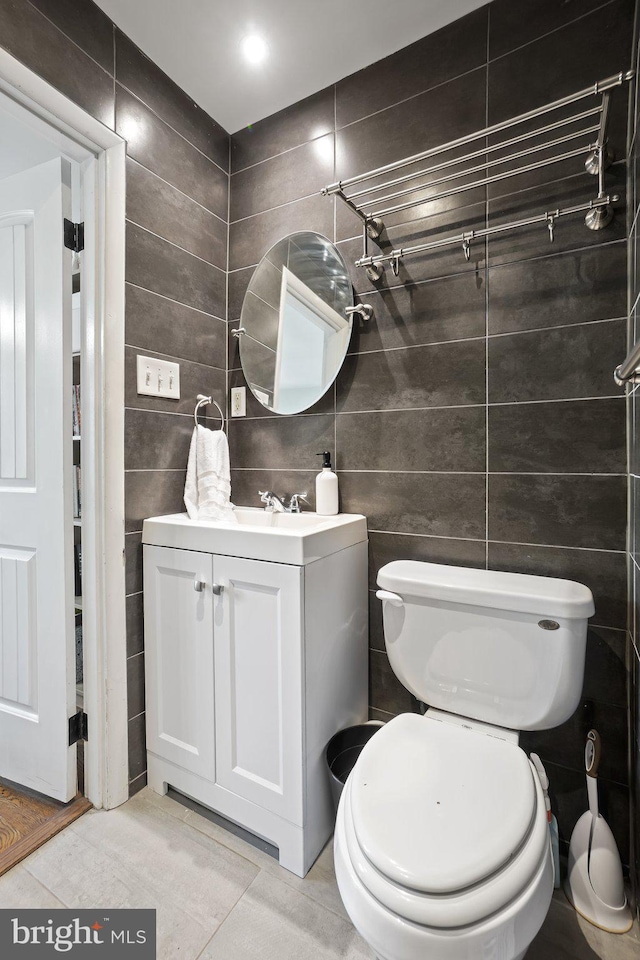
(202, 402)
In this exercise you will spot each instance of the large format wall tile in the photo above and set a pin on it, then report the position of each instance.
(560, 363)
(33, 39)
(250, 239)
(160, 208)
(84, 23)
(161, 325)
(570, 511)
(144, 79)
(517, 83)
(439, 504)
(289, 176)
(555, 290)
(459, 47)
(416, 313)
(306, 120)
(570, 232)
(437, 116)
(560, 437)
(156, 441)
(159, 266)
(510, 29)
(451, 439)
(280, 442)
(436, 375)
(156, 146)
(152, 493)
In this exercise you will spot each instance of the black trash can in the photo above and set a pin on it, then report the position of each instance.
(343, 750)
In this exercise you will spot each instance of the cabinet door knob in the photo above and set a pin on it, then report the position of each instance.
(199, 585)
(217, 589)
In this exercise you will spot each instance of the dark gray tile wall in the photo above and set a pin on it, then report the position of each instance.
(177, 203)
(633, 414)
(475, 420)
(176, 273)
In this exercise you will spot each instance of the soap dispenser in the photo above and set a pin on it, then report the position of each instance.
(326, 488)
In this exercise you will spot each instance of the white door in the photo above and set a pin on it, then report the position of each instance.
(37, 668)
(178, 626)
(258, 683)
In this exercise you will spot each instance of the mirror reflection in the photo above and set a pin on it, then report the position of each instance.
(295, 328)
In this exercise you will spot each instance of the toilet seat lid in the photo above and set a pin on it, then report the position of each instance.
(438, 807)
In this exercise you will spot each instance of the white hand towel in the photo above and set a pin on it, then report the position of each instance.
(207, 490)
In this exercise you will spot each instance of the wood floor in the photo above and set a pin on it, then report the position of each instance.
(28, 819)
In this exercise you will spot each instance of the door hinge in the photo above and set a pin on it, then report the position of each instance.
(78, 727)
(74, 236)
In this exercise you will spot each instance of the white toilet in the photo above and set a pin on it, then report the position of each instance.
(442, 845)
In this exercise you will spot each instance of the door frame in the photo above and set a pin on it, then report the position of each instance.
(103, 520)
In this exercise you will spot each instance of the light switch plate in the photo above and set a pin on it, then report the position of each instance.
(238, 401)
(158, 378)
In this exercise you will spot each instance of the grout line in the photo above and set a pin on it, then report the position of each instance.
(157, 353)
(559, 546)
(178, 190)
(413, 96)
(452, 406)
(278, 206)
(77, 45)
(180, 303)
(167, 413)
(555, 30)
(486, 335)
(283, 153)
(176, 245)
(138, 777)
(167, 124)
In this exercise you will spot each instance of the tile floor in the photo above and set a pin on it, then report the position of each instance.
(218, 898)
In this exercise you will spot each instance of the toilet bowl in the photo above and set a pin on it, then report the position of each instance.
(442, 846)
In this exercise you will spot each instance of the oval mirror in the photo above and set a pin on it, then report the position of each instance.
(295, 331)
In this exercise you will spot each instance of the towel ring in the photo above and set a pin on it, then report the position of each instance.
(202, 402)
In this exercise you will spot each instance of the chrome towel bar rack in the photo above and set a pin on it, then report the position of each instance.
(627, 371)
(202, 402)
(583, 133)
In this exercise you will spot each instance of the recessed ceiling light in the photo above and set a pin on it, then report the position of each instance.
(254, 48)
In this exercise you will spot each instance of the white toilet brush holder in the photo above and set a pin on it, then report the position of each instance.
(594, 884)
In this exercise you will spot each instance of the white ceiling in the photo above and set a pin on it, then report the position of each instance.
(312, 43)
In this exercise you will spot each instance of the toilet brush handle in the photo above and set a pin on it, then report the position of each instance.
(592, 753)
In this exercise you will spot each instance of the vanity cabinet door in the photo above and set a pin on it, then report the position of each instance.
(178, 616)
(258, 681)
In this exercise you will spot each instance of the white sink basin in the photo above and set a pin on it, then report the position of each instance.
(295, 538)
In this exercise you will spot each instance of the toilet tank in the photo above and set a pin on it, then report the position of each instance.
(503, 648)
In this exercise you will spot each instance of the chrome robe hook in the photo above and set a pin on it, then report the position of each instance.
(551, 226)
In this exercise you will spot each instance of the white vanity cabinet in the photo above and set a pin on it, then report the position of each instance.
(251, 667)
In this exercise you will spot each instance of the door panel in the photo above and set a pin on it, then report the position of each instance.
(179, 657)
(258, 679)
(14, 316)
(37, 673)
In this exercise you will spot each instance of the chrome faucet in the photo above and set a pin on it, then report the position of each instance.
(272, 502)
(275, 504)
(294, 503)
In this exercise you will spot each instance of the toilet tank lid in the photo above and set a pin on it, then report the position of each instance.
(519, 592)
